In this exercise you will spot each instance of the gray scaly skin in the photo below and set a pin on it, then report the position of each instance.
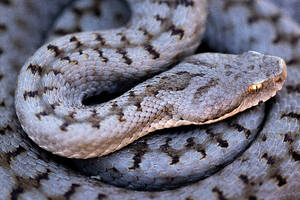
(90, 15)
(28, 173)
(153, 162)
(289, 7)
(55, 80)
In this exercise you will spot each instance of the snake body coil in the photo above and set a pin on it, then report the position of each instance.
(247, 158)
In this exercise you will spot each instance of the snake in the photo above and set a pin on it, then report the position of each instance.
(266, 168)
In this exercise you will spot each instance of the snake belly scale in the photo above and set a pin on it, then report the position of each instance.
(43, 178)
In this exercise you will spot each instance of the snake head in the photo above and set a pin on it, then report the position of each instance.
(232, 84)
(264, 79)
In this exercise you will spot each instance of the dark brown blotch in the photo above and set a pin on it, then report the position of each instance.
(227, 66)
(101, 196)
(67, 58)
(31, 94)
(252, 19)
(228, 73)
(251, 67)
(240, 128)
(115, 109)
(95, 124)
(135, 100)
(294, 39)
(159, 18)
(244, 178)
(48, 88)
(100, 53)
(3, 27)
(280, 179)
(175, 4)
(54, 49)
(71, 191)
(177, 82)
(222, 143)
(293, 61)
(201, 150)
(74, 62)
(288, 138)
(100, 39)
(94, 119)
(186, 3)
(16, 191)
(141, 148)
(11, 155)
(275, 18)
(5, 2)
(131, 94)
(73, 39)
(189, 198)
(54, 105)
(295, 155)
(190, 142)
(121, 116)
(3, 130)
(293, 88)
(175, 159)
(96, 11)
(124, 54)
(72, 114)
(219, 193)
(146, 33)
(41, 114)
(152, 90)
(138, 106)
(176, 31)
(55, 72)
(77, 42)
(64, 126)
(43, 176)
(77, 11)
(62, 32)
(204, 89)
(237, 76)
(151, 50)
(172, 153)
(35, 68)
(270, 159)
(114, 106)
(290, 115)
(251, 197)
(123, 38)
(277, 39)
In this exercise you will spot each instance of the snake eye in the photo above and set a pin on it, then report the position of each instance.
(255, 87)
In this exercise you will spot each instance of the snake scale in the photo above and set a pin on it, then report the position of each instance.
(267, 166)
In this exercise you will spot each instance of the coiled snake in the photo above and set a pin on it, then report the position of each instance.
(250, 156)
